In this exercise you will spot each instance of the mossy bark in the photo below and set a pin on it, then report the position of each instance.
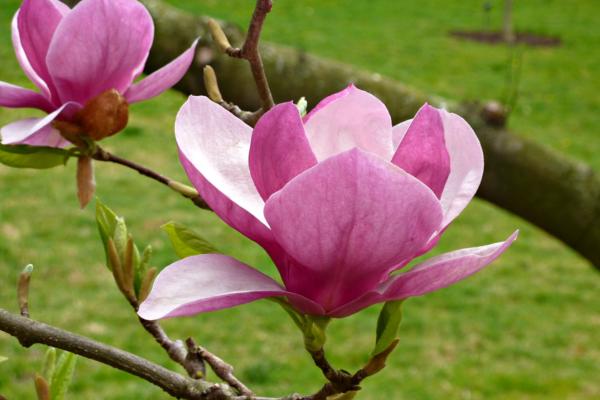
(560, 195)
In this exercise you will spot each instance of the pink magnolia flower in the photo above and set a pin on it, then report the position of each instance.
(74, 55)
(340, 200)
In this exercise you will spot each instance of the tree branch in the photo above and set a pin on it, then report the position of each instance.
(30, 332)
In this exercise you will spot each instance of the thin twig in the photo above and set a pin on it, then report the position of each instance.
(102, 155)
(250, 51)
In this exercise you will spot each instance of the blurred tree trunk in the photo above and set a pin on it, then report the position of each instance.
(508, 33)
(559, 195)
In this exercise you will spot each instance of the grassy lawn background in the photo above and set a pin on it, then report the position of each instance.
(526, 328)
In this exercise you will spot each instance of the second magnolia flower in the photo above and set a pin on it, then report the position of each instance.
(86, 56)
(340, 200)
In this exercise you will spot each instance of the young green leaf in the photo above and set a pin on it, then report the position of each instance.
(49, 363)
(111, 226)
(36, 157)
(65, 368)
(106, 220)
(186, 242)
(387, 325)
(143, 264)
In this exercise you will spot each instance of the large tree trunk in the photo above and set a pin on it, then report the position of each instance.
(560, 195)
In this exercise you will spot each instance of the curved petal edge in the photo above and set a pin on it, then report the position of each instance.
(431, 275)
(208, 282)
(163, 79)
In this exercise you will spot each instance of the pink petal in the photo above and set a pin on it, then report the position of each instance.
(216, 144)
(349, 219)
(279, 149)
(466, 162)
(329, 99)
(36, 131)
(36, 22)
(422, 152)
(466, 165)
(235, 216)
(210, 282)
(163, 79)
(398, 132)
(24, 62)
(17, 97)
(48, 137)
(230, 212)
(431, 275)
(99, 45)
(351, 118)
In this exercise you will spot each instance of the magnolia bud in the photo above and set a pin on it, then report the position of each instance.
(86, 184)
(104, 115)
(218, 35)
(211, 84)
(42, 387)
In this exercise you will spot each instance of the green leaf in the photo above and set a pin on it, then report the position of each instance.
(65, 368)
(387, 325)
(37, 157)
(186, 242)
(106, 220)
(143, 263)
(2, 359)
(111, 226)
(120, 236)
(49, 363)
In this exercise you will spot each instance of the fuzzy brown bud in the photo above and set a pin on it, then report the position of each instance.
(104, 115)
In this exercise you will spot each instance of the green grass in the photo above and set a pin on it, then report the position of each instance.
(526, 328)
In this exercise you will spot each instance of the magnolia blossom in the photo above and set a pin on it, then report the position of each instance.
(340, 200)
(74, 55)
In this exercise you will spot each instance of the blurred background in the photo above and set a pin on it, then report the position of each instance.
(528, 327)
